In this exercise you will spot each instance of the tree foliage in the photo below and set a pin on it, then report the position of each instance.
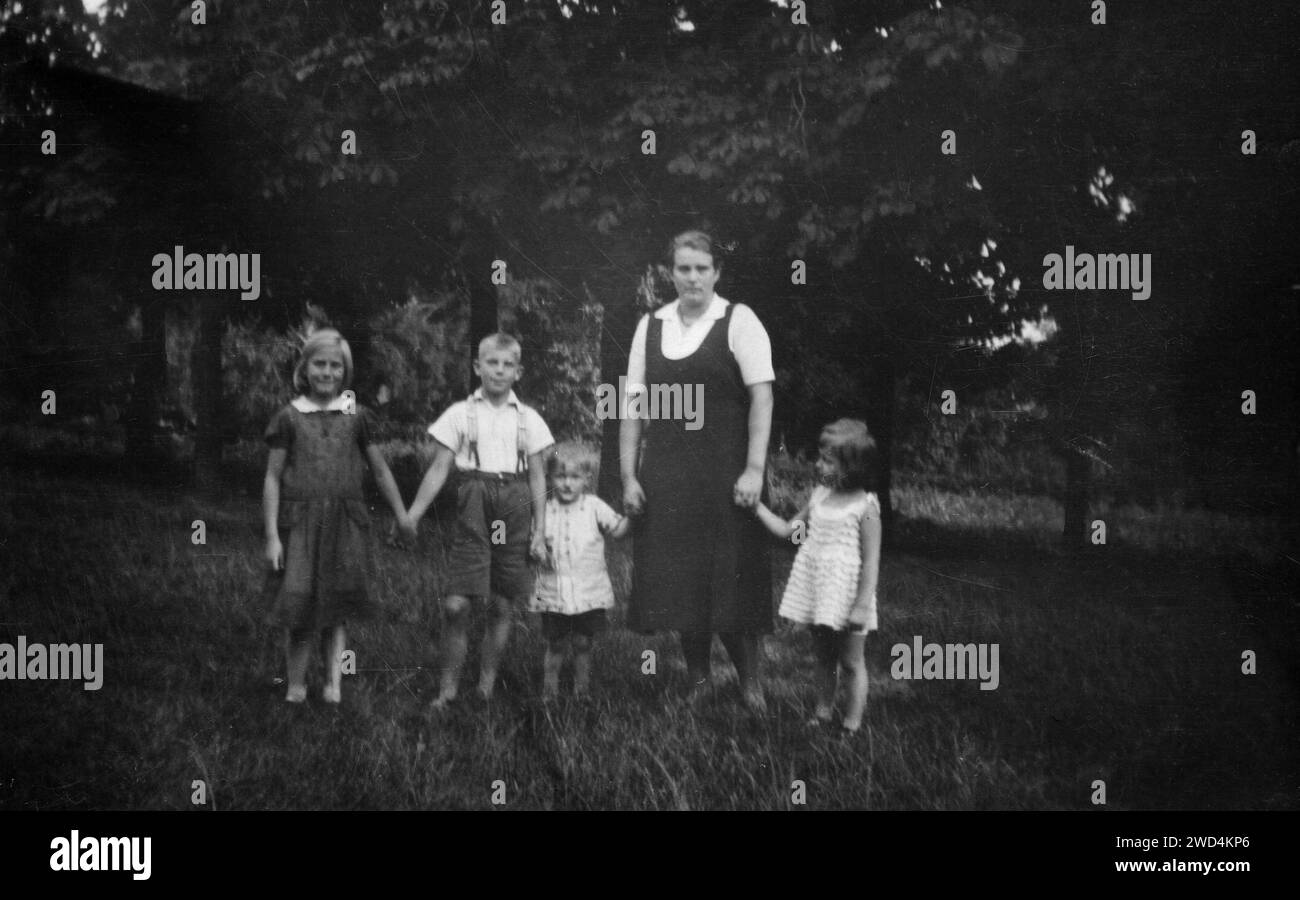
(824, 143)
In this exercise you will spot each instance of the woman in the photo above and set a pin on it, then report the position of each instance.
(700, 555)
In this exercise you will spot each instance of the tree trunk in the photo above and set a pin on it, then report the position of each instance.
(206, 360)
(1078, 481)
(477, 260)
(883, 431)
(620, 318)
(149, 383)
(1073, 410)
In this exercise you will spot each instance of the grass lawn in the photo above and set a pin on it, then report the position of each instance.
(1121, 664)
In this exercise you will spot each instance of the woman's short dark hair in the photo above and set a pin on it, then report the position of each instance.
(855, 448)
(694, 240)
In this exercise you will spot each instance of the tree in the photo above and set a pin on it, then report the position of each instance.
(825, 144)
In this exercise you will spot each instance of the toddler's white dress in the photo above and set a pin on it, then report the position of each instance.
(824, 579)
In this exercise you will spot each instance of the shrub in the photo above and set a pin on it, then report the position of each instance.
(418, 352)
(561, 355)
(257, 374)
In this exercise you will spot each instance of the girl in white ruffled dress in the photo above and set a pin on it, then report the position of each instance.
(832, 586)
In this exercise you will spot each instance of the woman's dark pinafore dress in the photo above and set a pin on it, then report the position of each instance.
(701, 562)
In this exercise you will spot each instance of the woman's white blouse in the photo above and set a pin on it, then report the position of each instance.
(746, 338)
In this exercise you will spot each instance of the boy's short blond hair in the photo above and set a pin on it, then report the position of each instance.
(574, 455)
(501, 341)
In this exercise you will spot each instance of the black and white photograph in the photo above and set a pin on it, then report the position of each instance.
(630, 405)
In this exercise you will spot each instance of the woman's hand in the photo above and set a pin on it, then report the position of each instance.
(748, 487)
(633, 497)
(275, 552)
(537, 548)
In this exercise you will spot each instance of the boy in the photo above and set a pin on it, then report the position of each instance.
(497, 444)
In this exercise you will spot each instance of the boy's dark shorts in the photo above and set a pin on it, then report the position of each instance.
(476, 565)
(589, 624)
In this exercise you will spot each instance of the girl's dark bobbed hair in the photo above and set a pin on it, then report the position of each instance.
(855, 448)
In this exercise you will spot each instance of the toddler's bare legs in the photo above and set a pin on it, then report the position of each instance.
(495, 637)
(581, 665)
(455, 646)
(556, 650)
(297, 651)
(855, 664)
(827, 645)
(331, 645)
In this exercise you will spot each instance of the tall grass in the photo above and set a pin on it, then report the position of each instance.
(1121, 667)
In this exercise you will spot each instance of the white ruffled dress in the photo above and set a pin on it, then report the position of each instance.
(824, 579)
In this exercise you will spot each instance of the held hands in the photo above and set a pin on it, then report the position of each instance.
(403, 531)
(748, 487)
(407, 528)
(537, 550)
(275, 553)
(633, 497)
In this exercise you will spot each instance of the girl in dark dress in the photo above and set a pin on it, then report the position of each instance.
(317, 524)
(700, 557)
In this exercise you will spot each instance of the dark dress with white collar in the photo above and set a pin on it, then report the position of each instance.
(324, 523)
(701, 563)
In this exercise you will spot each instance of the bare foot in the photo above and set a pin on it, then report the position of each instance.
(297, 694)
(443, 701)
(331, 693)
(755, 702)
(550, 693)
(823, 714)
(851, 727)
(698, 692)
(581, 691)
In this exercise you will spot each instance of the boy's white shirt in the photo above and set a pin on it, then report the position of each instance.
(498, 432)
(338, 404)
(746, 338)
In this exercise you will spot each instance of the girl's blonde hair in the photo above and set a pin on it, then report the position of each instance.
(573, 455)
(318, 340)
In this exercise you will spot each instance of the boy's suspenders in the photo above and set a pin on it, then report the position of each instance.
(471, 430)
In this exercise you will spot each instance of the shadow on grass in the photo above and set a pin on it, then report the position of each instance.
(1266, 593)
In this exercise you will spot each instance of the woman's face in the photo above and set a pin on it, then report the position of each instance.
(694, 276)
